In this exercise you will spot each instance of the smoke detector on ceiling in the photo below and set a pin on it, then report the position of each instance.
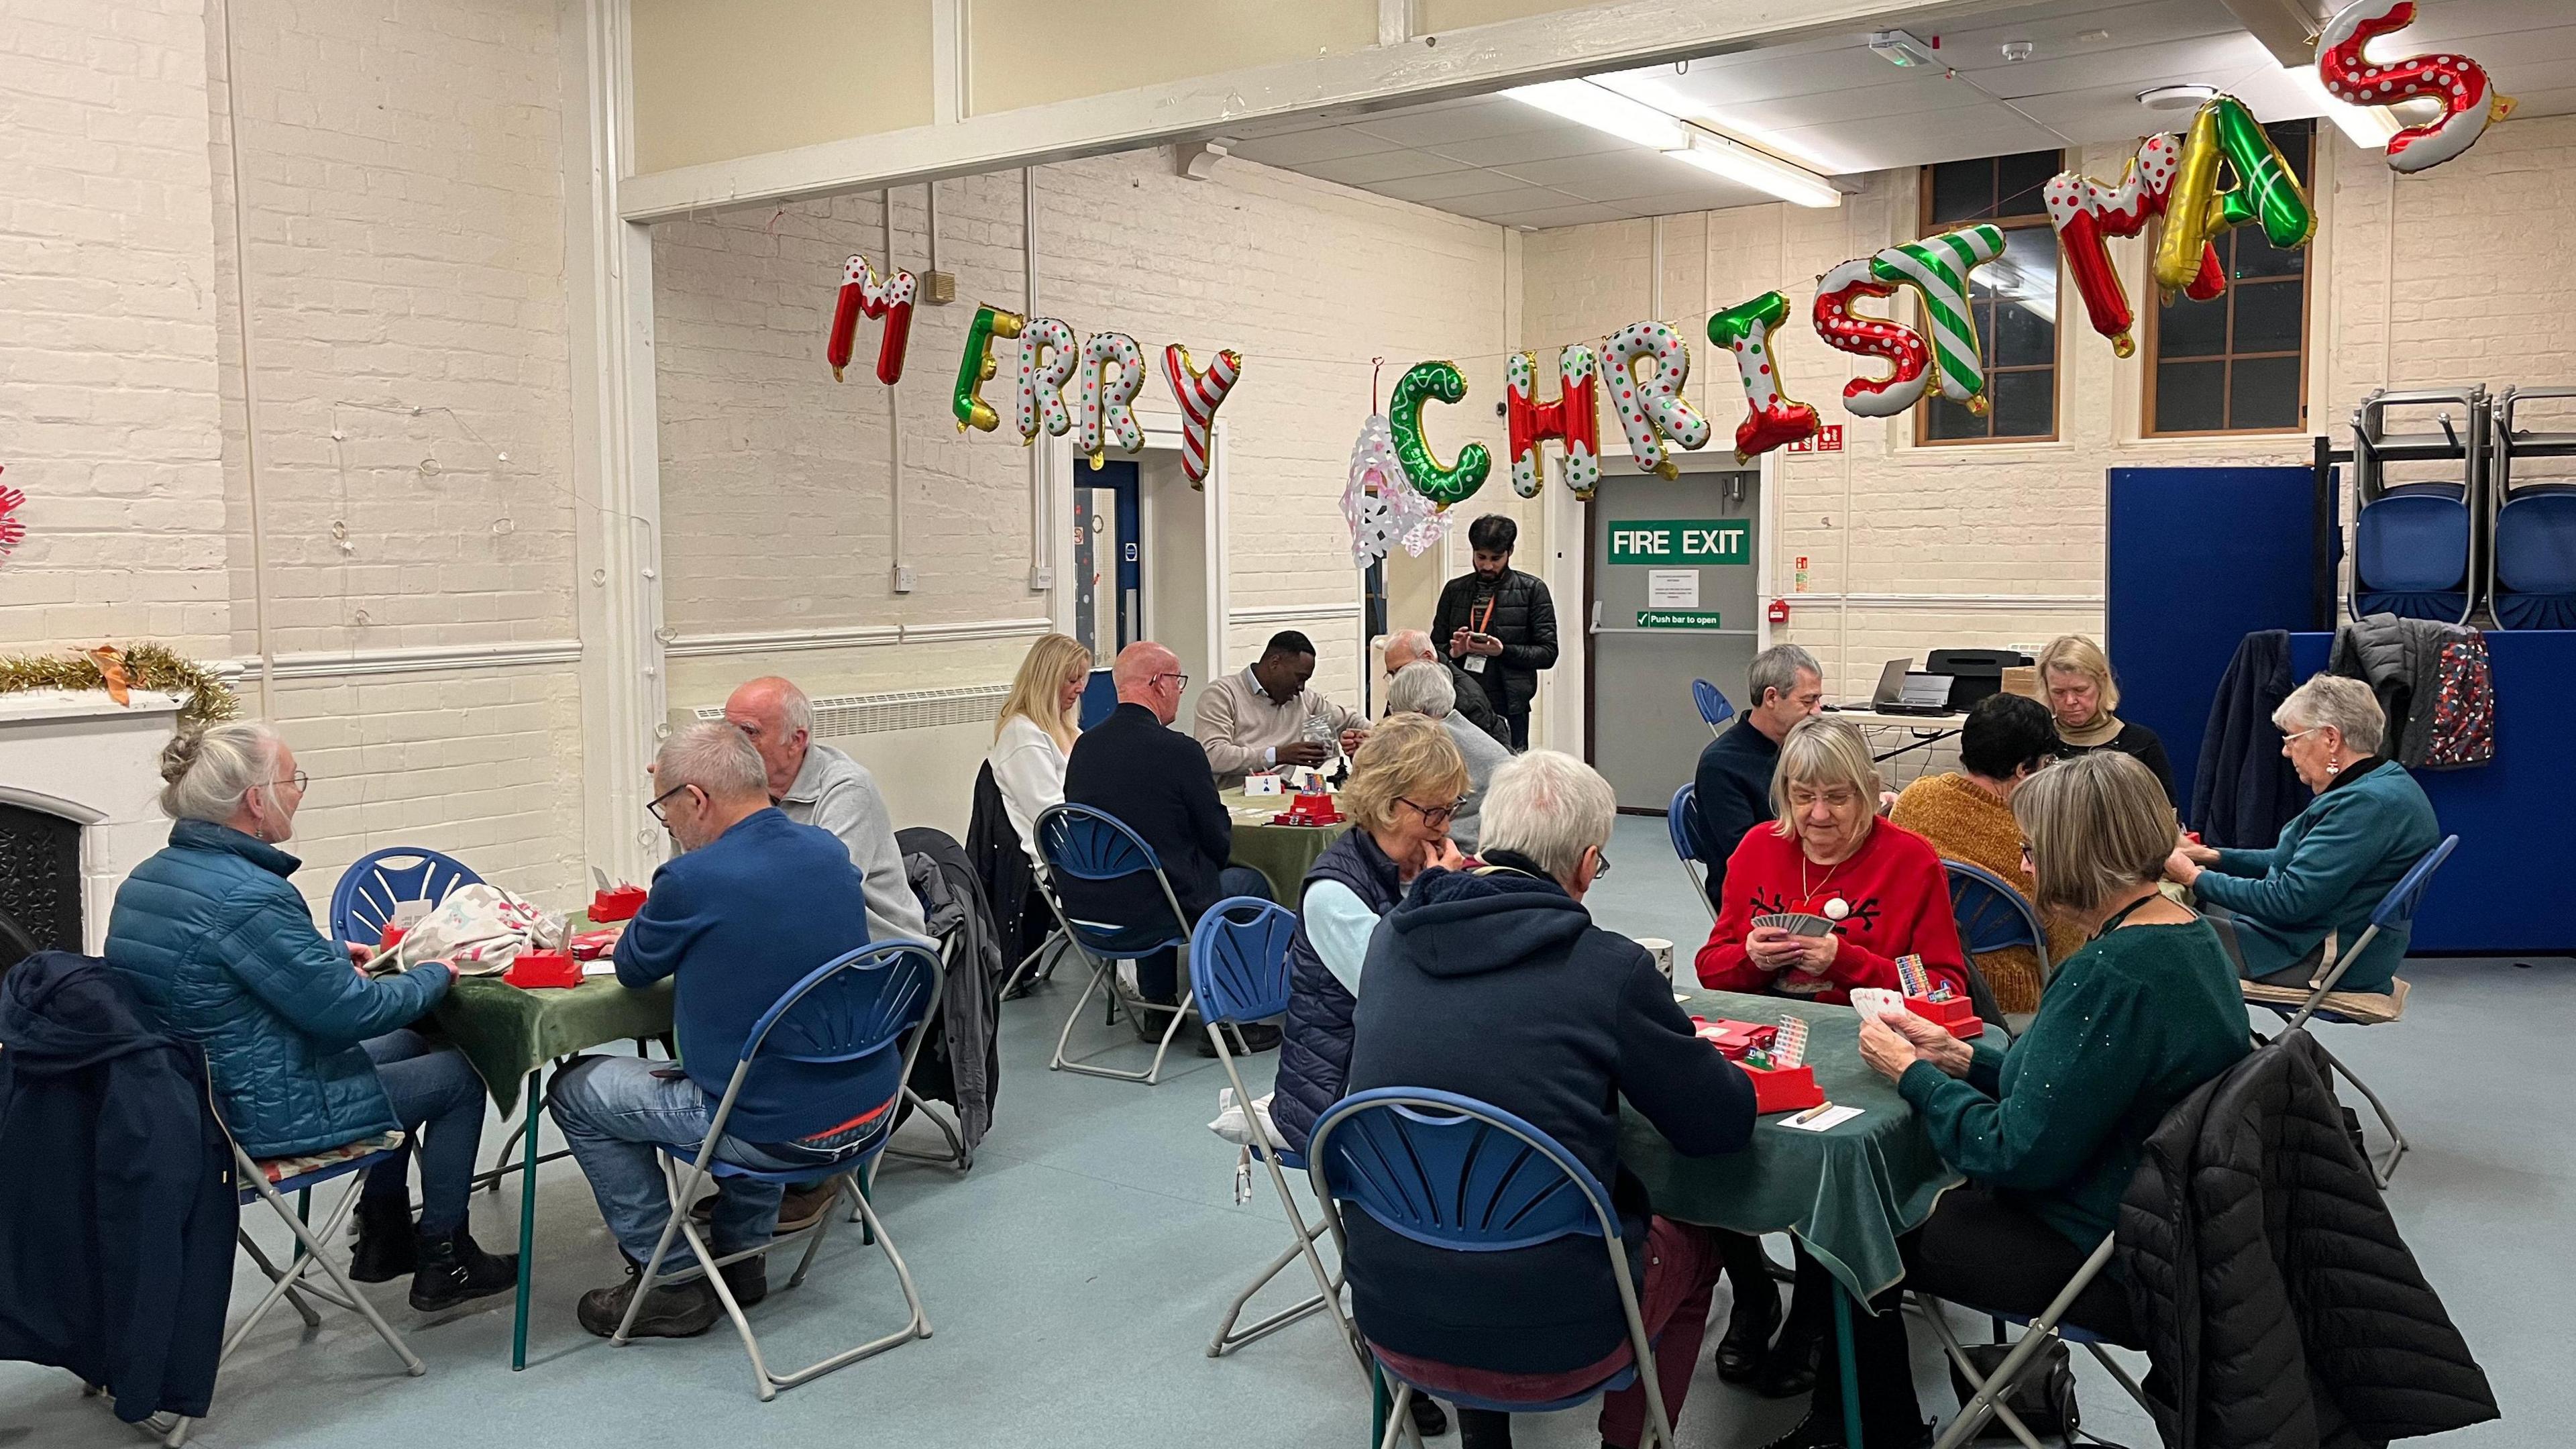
(2175, 98)
(2016, 50)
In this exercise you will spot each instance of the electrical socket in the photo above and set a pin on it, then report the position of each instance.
(903, 578)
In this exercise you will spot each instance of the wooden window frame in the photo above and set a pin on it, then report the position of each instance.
(2227, 356)
(2057, 355)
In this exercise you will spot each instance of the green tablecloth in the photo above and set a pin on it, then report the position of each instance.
(507, 1033)
(1283, 853)
(1847, 1193)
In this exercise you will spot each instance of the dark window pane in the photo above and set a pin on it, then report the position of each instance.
(2256, 257)
(2025, 403)
(2263, 393)
(2022, 337)
(2186, 328)
(2188, 396)
(2022, 182)
(2267, 317)
(2024, 282)
(1947, 421)
(1963, 191)
(2297, 143)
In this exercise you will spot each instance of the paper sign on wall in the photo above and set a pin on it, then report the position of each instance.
(1672, 588)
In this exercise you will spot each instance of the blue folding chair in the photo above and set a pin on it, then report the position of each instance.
(844, 1041)
(1713, 708)
(2395, 909)
(1451, 1172)
(382, 881)
(1681, 821)
(1240, 972)
(1082, 843)
(1993, 915)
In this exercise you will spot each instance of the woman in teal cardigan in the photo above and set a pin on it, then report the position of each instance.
(2049, 1132)
(2286, 913)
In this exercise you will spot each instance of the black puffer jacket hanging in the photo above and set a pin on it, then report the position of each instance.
(2282, 1309)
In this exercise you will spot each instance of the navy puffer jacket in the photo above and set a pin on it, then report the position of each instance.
(1315, 1045)
(222, 951)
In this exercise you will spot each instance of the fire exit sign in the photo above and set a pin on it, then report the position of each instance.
(1686, 541)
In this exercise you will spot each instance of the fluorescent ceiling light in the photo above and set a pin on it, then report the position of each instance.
(1606, 110)
(1741, 163)
(1633, 120)
(2368, 127)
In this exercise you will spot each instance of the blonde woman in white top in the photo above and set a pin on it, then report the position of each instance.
(1036, 730)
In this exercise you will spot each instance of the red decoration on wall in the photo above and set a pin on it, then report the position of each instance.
(13, 530)
(863, 292)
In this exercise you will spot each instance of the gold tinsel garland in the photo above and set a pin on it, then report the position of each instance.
(147, 666)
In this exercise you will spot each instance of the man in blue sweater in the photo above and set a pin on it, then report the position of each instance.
(754, 904)
(1732, 793)
(1496, 984)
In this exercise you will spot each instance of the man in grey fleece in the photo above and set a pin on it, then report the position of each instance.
(818, 785)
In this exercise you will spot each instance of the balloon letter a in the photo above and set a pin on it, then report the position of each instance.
(2084, 212)
(2265, 192)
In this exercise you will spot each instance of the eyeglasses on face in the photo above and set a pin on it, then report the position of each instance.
(1434, 816)
(1179, 681)
(655, 805)
(300, 780)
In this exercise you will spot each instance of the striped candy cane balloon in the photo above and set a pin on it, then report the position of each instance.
(1048, 357)
(1108, 406)
(1199, 395)
(1937, 269)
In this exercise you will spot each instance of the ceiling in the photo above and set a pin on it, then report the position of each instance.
(1834, 107)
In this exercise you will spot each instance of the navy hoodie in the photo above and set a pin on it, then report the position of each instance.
(117, 1205)
(1496, 985)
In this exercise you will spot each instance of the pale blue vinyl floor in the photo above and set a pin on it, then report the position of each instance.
(1073, 1278)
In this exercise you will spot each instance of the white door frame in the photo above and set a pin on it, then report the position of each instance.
(1162, 435)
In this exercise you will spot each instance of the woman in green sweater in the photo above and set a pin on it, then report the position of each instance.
(2283, 913)
(2049, 1131)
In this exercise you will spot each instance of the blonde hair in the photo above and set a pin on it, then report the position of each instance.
(2075, 654)
(1052, 660)
(207, 770)
(1824, 751)
(1407, 756)
(2097, 824)
(2344, 703)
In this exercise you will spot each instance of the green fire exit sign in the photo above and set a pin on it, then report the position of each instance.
(1682, 541)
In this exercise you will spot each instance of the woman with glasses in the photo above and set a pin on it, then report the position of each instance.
(1824, 900)
(2282, 911)
(306, 1052)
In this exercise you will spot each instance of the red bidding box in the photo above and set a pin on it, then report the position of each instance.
(1955, 1014)
(1309, 809)
(531, 969)
(619, 904)
(1776, 1089)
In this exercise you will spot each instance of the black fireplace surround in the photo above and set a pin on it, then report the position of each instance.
(40, 884)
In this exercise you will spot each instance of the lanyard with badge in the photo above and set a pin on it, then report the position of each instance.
(1476, 662)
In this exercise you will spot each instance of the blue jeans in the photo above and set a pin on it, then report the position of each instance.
(1158, 975)
(613, 1110)
(439, 1102)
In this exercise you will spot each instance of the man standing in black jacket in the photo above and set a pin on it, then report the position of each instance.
(1499, 624)
(1155, 780)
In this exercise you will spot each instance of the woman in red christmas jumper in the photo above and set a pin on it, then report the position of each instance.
(1826, 854)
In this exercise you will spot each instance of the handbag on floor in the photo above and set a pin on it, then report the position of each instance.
(2043, 1398)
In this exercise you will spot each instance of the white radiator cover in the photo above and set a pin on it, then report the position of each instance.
(923, 745)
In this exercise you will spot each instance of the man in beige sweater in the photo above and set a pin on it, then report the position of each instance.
(1257, 720)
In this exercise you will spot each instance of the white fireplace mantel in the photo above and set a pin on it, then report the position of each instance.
(83, 756)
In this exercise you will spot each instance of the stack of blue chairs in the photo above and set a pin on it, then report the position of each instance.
(2531, 570)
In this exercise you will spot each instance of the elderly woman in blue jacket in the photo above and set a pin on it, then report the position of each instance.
(306, 1053)
(2285, 913)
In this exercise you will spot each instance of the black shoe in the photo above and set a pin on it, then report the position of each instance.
(384, 1251)
(1789, 1369)
(1428, 1420)
(452, 1270)
(749, 1280)
(1244, 1040)
(671, 1310)
(1748, 1333)
(1156, 1018)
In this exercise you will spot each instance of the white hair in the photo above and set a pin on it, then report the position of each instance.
(715, 757)
(206, 771)
(1411, 641)
(2332, 699)
(1422, 688)
(1778, 667)
(1549, 806)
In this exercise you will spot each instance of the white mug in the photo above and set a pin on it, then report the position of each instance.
(1661, 950)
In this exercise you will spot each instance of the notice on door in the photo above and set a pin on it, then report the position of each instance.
(1673, 588)
(1677, 619)
(1696, 542)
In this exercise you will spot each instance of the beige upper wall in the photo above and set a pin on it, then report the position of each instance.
(715, 79)
(1029, 52)
(1435, 16)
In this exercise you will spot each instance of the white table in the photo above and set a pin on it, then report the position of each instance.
(1927, 732)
